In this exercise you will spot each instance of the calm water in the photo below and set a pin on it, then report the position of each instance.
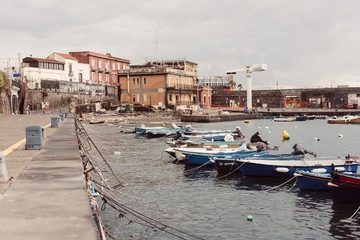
(202, 204)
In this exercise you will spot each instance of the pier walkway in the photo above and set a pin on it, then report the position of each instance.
(47, 197)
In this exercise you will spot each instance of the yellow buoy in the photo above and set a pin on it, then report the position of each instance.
(246, 121)
(285, 135)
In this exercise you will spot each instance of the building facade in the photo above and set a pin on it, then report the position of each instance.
(103, 67)
(215, 80)
(159, 83)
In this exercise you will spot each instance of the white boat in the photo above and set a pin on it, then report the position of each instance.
(284, 119)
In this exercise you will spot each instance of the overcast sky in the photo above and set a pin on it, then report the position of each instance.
(305, 43)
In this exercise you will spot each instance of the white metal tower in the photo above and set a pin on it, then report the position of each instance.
(248, 70)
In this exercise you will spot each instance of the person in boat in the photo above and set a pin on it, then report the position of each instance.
(299, 150)
(256, 138)
(261, 147)
(238, 133)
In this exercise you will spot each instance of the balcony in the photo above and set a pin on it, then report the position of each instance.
(101, 69)
(93, 68)
(15, 84)
(108, 70)
(183, 87)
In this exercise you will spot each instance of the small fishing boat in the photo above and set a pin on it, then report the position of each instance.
(344, 120)
(287, 168)
(319, 181)
(143, 129)
(201, 155)
(211, 137)
(301, 118)
(228, 164)
(284, 119)
(311, 181)
(345, 187)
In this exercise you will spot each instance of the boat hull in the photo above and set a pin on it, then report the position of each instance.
(313, 181)
(288, 168)
(347, 188)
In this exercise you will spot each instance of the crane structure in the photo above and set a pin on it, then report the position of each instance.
(248, 70)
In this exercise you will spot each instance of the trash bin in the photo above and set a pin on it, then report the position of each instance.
(54, 122)
(33, 137)
(62, 117)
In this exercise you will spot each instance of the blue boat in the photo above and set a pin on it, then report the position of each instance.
(142, 129)
(205, 159)
(287, 168)
(215, 144)
(301, 118)
(200, 156)
(311, 181)
(227, 165)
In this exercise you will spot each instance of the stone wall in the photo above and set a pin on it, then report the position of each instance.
(55, 100)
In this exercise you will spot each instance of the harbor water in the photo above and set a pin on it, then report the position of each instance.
(206, 205)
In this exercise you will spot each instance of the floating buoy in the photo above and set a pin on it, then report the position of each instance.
(269, 131)
(316, 139)
(250, 218)
(163, 125)
(340, 135)
(246, 121)
(266, 127)
(117, 153)
(285, 135)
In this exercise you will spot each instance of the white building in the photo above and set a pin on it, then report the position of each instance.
(74, 71)
(57, 67)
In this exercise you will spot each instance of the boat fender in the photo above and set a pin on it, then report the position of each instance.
(340, 169)
(212, 160)
(319, 170)
(330, 184)
(282, 169)
(297, 175)
(340, 135)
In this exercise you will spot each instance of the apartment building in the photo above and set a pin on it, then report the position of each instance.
(103, 67)
(161, 84)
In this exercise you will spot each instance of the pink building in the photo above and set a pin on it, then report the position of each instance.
(103, 67)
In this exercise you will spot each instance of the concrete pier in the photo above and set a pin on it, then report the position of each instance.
(46, 197)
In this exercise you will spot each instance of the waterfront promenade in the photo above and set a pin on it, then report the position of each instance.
(46, 197)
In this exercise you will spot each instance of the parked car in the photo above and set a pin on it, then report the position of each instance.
(349, 106)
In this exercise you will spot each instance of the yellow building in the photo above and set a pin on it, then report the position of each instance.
(159, 84)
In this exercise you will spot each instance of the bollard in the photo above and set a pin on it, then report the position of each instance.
(33, 137)
(66, 114)
(3, 170)
(44, 135)
(54, 122)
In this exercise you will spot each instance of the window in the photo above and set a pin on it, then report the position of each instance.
(113, 79)
(204, 99)
(80, 77)
(70, 68)
(138, 97)
(144, 98)
(100, 77)
(107, 65)
(118, 66)
(99, 63)
(93, 77)
(133, 81)
(107, 78)
(134, 98)
(40, 65)
(138, 81)
(93, 62)
(170, 98)
(113, 66)
(144, 81)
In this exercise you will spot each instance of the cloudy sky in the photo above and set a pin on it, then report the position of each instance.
(305, 43)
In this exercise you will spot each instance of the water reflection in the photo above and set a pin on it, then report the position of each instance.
(340, 224)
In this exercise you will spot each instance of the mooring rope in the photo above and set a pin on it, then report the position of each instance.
(231, 171)
(268, 190)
